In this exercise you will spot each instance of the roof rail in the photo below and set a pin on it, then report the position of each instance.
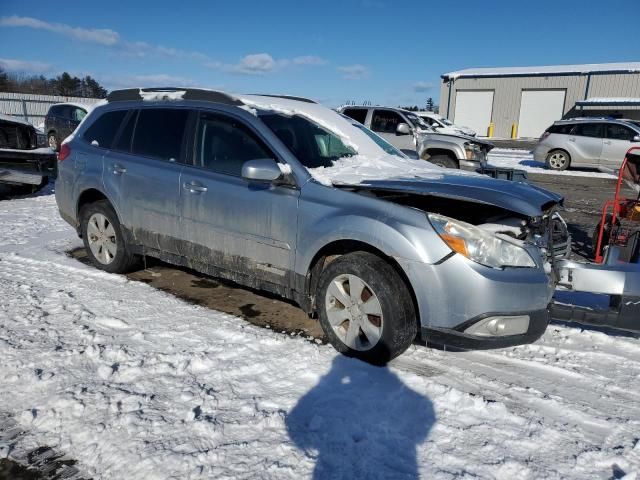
(172, 93)
(287, 97)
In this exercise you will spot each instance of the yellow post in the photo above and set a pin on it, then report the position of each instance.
(514, 130)
(490, 130)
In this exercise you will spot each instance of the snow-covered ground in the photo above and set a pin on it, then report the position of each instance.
(523, 160)
(135, 383)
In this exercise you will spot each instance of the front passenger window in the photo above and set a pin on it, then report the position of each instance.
(225, 144)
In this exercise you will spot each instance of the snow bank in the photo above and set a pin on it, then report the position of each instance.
(135, 383)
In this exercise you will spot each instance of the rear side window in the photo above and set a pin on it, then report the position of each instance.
(159, 133)
(588, 130)
(104, 129)
(358, 114)
(620, 132)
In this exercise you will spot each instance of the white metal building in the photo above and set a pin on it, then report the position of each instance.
(33, 108)
(526, 100)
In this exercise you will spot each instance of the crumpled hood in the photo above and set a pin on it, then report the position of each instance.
(486, 145)
(518, 197)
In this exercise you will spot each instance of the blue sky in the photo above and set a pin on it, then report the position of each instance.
(383, 51)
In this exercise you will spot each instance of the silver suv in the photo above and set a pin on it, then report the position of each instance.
(410, 133)
(587, 142)
(284, 195)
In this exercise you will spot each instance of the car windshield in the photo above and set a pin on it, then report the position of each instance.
(417, 121)
(313, 145)
(381, 142)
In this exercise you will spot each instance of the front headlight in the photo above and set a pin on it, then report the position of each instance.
(472, 151)
(479, 245)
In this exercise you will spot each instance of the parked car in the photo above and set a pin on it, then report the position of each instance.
(61, 120)
(285, 195)
(24, 166)
(587, 142)
(408, 132)
(443, 125)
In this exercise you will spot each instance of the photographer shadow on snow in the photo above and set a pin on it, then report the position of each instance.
(363, 422)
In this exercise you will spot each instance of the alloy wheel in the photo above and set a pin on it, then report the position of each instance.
(101, 237)
(557, 160)
(354, 312)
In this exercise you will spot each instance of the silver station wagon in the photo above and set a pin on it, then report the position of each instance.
(284, 195)
(600, 143)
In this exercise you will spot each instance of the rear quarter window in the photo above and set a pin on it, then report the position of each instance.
(102, 131)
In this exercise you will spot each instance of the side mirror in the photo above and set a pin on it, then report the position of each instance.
(636, 138)
(403, 129)
(261, 170)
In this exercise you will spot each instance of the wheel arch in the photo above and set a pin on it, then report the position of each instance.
(432, 152)
(341, 247)
(92, 195)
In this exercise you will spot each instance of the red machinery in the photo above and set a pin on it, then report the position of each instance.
(620, 222)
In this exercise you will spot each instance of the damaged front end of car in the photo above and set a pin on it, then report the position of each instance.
(505, 240)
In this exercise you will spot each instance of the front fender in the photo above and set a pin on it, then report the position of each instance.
(395, 230)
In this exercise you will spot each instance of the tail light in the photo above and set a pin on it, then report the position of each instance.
(544, 135)
(65, 151)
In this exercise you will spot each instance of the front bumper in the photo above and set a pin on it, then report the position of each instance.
(455, 293)
(470, 165)
(457, 338)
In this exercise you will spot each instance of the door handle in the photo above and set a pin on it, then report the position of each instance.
(194, 187)
(607, 142)
(118, 169)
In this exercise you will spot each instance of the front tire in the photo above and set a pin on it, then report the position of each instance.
(104, 240)
(444, 161)
(365, 308)
(558, 160)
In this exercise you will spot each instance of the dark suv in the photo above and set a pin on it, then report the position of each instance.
(61, 120)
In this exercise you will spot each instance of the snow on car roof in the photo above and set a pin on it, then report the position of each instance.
(86, 106)
(371, 161)
(544, 70)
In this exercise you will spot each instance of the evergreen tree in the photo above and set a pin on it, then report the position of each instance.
(430, 104)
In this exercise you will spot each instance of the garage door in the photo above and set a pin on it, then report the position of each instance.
(538, 110)
(473, 109)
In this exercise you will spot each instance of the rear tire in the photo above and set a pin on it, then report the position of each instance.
(558, 160)
(103, 239)
(365, 308)
(444, 161)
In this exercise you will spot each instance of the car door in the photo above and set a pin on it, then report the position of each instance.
(244, 228)
(584, 143)
(385, 123)
(142, 174)
(618, 139)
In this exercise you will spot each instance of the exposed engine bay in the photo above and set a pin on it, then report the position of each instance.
(548, 231)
